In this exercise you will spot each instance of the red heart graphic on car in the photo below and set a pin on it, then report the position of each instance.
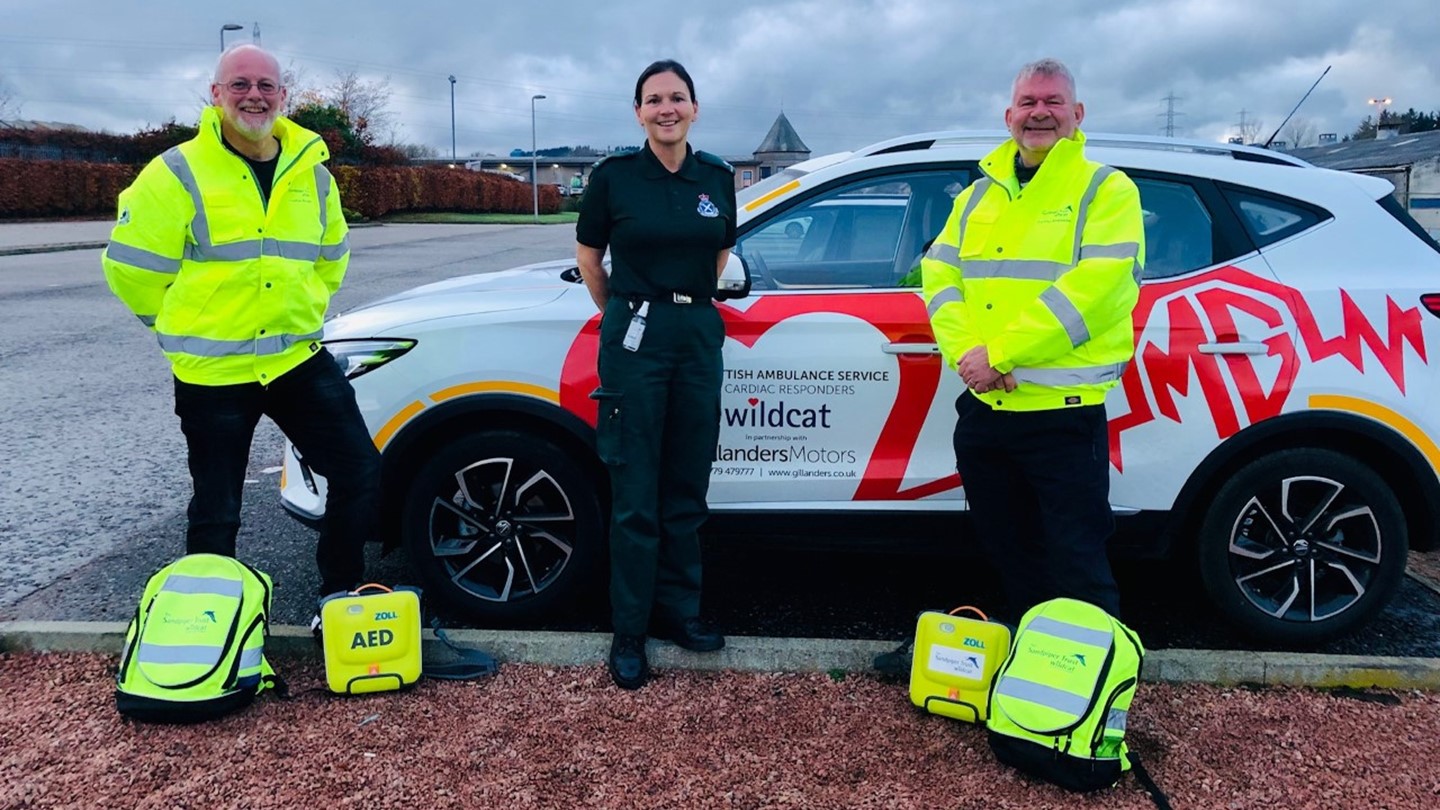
(754, 401)
(900, 317)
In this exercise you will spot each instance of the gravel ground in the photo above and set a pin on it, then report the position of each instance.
(564, 737)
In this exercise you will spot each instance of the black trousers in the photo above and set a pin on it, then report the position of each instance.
(315, 406)
(658, 425)
(1037, 484)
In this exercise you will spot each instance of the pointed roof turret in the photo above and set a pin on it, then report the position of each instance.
(782, 137)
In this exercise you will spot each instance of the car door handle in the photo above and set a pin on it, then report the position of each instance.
(1234, 347)
(911, 348)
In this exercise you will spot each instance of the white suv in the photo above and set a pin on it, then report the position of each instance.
(1277, 426)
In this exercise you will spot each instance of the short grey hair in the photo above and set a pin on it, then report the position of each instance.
(219, 63)
(1044, 67)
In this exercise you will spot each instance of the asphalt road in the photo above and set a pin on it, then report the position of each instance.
(93, 486)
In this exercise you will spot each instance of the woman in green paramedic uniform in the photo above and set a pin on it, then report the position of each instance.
(667, 214)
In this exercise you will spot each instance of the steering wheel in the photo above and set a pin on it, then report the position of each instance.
(759, 271)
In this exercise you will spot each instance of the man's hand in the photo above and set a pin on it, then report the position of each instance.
(979, 375)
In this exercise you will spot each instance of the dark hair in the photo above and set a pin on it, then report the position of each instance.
(664, 66)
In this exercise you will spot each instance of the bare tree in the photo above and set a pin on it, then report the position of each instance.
(9, 103)
(366, 102)
(1250, 129)
(299, 91)
(418, 150)
(1300, 132)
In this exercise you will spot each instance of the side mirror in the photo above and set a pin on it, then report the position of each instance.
(734, 279)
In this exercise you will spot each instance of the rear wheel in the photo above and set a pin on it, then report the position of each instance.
(1302, 545)
(503, 525)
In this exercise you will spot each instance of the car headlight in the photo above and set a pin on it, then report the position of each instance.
(357, 357)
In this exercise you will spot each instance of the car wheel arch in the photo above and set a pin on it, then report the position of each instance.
(417, 440)
(1393, 457)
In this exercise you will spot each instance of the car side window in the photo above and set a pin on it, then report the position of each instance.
(870, 233)
(1268, 219)
(1179, 231)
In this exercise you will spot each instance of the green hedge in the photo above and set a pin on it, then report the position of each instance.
(45, 188)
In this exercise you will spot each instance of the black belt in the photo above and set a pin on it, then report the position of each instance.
(683, 299)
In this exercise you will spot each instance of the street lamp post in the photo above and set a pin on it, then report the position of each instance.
(223, 29)
(534, 180)
(452, 118)
(1382, 103)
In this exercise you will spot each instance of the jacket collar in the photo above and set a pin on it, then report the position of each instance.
(654, 169)
(295, 140)
(1000, 163)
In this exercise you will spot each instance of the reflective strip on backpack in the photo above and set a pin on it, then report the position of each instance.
(201, 655)
(212, 586)
(250, 660)
(1071, 632)
(1115, 721)
(1041, 695)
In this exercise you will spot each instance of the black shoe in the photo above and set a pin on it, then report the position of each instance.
(628, 667)
(691, 634)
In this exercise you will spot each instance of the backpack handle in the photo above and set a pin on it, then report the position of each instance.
(972, 609)
(371, 585)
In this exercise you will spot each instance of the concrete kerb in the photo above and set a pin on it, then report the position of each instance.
(52, 248)
(756, 654)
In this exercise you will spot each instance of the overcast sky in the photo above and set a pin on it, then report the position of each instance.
(845, 72)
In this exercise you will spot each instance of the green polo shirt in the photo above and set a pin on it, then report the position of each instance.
(664, 229)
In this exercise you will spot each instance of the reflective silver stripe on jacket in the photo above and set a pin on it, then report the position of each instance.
(336, 252)
(1084, 212)
(322, 191)
(1066, 312)
(206, 347)
(981, 186)
(1022, 269)
(1071, 632)
(199, 226)
(948, 295)
(197, 654)
(141, 258)
(212, 586)
(945, 254)
(1082, 375)
(1119, 250)
(253, 249)
(1042, 695)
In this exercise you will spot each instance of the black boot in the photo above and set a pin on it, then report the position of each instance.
(692, 634)
(628, 667)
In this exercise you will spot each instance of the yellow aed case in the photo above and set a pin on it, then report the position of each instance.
(954, 663)
(371, 639)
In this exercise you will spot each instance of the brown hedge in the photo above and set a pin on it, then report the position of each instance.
(43, 188)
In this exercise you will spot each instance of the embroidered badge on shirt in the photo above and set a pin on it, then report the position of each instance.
(707, 208)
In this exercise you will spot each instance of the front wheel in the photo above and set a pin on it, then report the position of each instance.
(503, 525)
(1303, 545)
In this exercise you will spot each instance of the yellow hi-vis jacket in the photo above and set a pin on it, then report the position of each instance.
(234, 289)
(1045, 277)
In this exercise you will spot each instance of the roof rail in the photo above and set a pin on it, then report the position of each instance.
(928, 140)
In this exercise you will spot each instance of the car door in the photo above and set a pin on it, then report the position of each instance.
(1212, 348)
(831, 375)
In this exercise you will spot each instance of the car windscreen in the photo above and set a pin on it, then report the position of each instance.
(769, 184)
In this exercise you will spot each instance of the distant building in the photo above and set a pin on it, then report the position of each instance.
(781, 147)
(1411, 162)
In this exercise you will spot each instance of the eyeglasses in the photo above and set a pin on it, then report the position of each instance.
(241, 86)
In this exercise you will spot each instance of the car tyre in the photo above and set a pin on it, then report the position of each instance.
(503, 525)
(1301, 546)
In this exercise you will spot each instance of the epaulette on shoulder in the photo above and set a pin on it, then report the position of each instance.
(615, 156)
(714, 160)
